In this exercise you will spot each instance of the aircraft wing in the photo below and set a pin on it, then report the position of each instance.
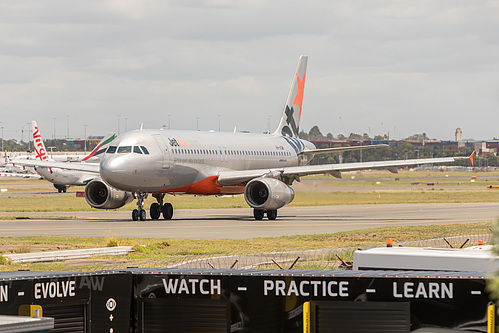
(87, 167)
(20, 175)
(231, 177)
(339, 149)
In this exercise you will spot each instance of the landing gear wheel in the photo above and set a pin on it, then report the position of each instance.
(272, 214)
(167, 211)
(155, 211)
(60, 190)
(64, 189)
(258, 214)
(135, 215)
(140, 212)
(142, 215)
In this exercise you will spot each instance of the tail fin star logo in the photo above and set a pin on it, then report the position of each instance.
(301, 88)
(292, 128)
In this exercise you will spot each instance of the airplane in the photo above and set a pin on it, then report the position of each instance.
(60, 177)
(261, 166)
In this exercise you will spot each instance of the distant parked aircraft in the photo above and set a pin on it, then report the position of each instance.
(62, 178)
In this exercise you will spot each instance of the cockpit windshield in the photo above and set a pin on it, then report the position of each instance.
(111, 150)
(136, 149)
(124, 149)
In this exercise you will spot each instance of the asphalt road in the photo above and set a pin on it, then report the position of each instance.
(239, 223)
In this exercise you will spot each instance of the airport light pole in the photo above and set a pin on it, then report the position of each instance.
(51, 150)
(85, 127)
(54, 128)
(29, 135)
(197, 123)
(67, 137)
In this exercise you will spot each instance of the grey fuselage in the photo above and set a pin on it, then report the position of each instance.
(189, 161)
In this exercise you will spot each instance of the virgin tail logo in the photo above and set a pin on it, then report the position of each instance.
(41, 152)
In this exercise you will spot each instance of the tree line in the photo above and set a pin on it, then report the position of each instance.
(403, 150)
(316, 134)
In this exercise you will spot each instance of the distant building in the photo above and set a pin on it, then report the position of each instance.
(459, 134)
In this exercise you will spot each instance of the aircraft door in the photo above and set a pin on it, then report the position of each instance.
(223, 154)
(163, 146)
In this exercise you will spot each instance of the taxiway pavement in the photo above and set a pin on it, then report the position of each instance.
(239, 223)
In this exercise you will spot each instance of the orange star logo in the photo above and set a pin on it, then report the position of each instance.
(301, 88)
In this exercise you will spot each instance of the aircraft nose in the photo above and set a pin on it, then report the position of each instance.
(112, 171)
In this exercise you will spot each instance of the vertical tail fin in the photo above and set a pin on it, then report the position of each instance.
(41, 152)
(290, 120)
(471, 157)
(101, 147)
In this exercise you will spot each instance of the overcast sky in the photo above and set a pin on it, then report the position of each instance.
(375, 66)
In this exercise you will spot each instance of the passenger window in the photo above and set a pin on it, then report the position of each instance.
(144, 149)
(136, 149)
(111, 150)
(124, 149)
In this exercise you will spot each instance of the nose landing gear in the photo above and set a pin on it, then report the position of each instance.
(139, 213)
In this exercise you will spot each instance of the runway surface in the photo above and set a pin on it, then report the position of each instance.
(239, 223)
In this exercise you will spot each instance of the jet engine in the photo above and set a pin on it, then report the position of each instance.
(99, 195)
(268, 193)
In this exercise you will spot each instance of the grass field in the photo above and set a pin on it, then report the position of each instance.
(159, 252)
(378, 187)
(72, 203)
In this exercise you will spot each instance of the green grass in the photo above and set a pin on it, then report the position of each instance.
(382, 197)
(157, 252)
(70, 203)
(393, 188)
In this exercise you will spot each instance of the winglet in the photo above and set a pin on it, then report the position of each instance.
(471, 157)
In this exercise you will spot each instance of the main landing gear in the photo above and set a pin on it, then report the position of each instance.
(61, 188)
(158, 208)
(259, 213)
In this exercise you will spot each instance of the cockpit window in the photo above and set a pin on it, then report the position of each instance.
(124, 149)
(111, 150)
(144, 149)
(136, 149)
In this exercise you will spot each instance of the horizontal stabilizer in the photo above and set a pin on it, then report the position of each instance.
(338, 149)
(87, 167)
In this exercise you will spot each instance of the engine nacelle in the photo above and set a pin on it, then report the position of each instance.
(268, 193)
(99, 195)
